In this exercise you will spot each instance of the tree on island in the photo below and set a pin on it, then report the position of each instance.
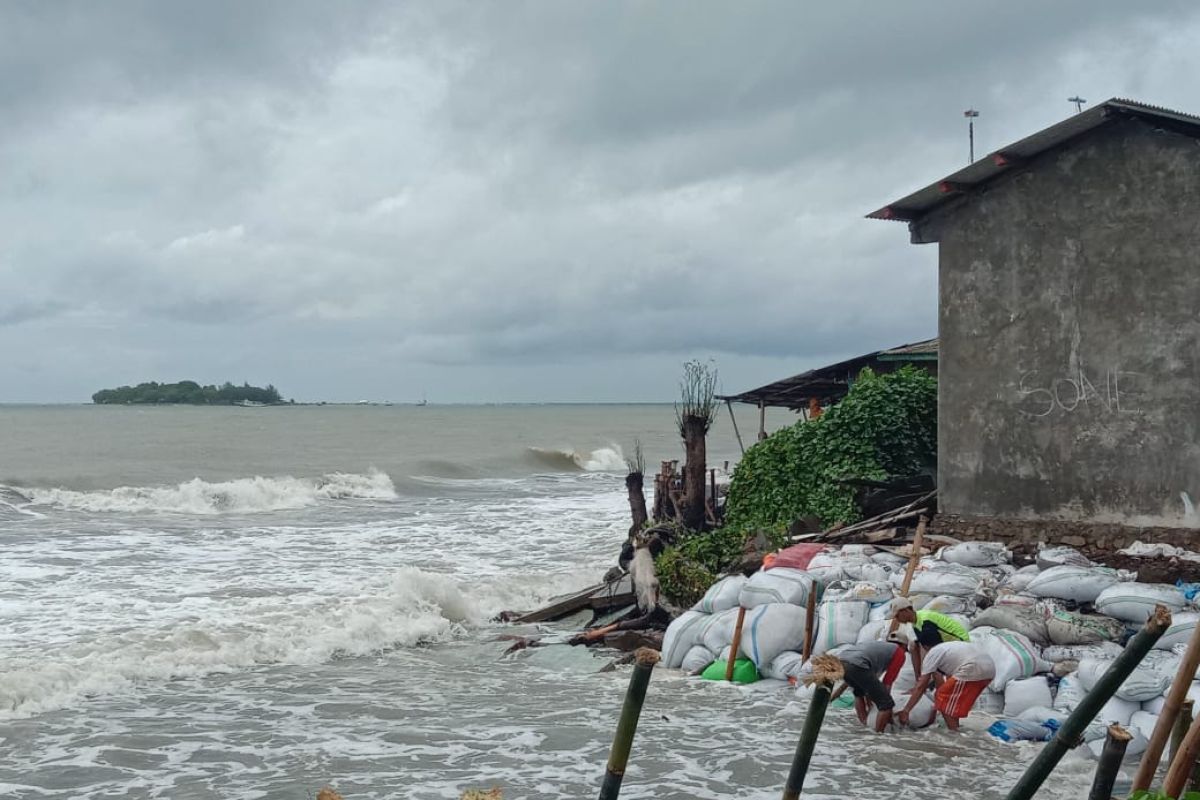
(188, 393)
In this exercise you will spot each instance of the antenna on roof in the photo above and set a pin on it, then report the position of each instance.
(971, 114)
(1078, 101)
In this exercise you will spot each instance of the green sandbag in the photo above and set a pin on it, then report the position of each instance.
(845, 701)
(744, 671)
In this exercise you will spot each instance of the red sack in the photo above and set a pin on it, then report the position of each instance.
(797, 556)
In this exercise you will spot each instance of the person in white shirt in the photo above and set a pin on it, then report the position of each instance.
(962, 671)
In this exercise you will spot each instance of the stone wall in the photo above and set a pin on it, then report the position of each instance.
(1098, 542)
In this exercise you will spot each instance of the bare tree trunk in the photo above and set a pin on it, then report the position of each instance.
(694, 430)
(634, 485)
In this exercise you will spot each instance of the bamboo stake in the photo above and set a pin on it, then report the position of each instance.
(826, 672)
(1184, 762)
(1071, 732)
(618, 757)
(733, 648)
(1115, 743)
(1175, 698)
(913, 559)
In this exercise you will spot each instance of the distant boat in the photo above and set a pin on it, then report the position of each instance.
(252, 404)
(423, 401)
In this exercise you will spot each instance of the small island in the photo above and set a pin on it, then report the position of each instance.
(189, 393)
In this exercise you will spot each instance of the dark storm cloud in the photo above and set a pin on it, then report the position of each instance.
(460, 195)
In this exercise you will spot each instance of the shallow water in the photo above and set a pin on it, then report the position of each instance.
(252, 603)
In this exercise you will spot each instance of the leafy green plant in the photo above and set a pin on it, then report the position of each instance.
(886, 426)
(1143, 794)
(686, 570)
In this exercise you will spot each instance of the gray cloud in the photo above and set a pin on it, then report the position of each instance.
(504, 201)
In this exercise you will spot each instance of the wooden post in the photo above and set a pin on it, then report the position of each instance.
(737, 643)
(1115, 743)
(1166, 719)
(913, 559)
(618, 757)
(1071, 732)
(1180, 729)
(736, 432)
(762, 420)
(1184, 762)
(810, 619)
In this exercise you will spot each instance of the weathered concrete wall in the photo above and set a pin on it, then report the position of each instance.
(1070, 335)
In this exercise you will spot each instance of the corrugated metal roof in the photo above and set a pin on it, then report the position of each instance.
(921, 202)
(830, 382)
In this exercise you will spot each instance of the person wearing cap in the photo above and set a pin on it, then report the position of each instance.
(963, 671)
(862, 665)
(931, 627)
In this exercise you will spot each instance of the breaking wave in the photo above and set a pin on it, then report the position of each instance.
(242, 495)
(604, 459)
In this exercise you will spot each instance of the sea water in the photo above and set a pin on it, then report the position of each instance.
(255, 603)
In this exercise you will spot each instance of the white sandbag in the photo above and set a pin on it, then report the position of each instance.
(1023, 694)
(1144, 683)
(879, 611)
(1014, 655)
(697, 659)
(1143, 722)
(976, 554)
(784, 666)
(990, 702)
(722, 595)
(1050, 557)
(874, 631)
(922, 714)
(938, 581)
(1078, 652)
(877, 573)
(949, 604)
(1134, 602)
(1070, 693)
(1006, 597)
(1180, 632)
(858, 550)
(906, 679)
(771, 629)
(1136, 746)
(1118, 711)
(1068, 627)
(1029, 621)
(838, 623)
(682, 634)
(1155, 706)
(717, 634)
(889, 559)
(867, 591)
(782, 585)
(1081, 584)
(1040, 714)
(1164, 662)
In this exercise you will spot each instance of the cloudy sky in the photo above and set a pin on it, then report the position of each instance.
(505, 201)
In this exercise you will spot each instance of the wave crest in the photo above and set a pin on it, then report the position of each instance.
(242, 495)
(603, 459)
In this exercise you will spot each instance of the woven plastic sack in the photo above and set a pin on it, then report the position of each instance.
(743, 671)
(682, 634)
(785, 666)
(780, 585)
(722, 595)
(1134, 602)
(1078, 652)
(1180, 631)
(1029, 621)
(1136, 746)
(1014, 655)
(1080, 584)
(838, 623)
(1068, 627)
(1019, 730)
(717, 634)
(1026, 693)
(976, 554)
(1144, 683)
(960, 583)
(771, 629)
(1062, 556)
(1070, 693)
(697, 660)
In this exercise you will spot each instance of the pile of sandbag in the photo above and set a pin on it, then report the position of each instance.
(1052, 628)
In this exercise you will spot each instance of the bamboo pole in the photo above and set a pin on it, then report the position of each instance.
(737, 643)
(827, 671)
(913, 559)
(618, 757)
(1166, 719)
(762, 420)
(1115, 743)
(1071, 732)
(1184, 762)
(736, 432)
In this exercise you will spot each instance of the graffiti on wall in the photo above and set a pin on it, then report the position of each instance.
(1113, 391)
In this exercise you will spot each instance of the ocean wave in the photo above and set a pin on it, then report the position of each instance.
(603, 459)
(202, 497)
(415, 607)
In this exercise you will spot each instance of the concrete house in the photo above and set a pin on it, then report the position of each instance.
(1069, 324)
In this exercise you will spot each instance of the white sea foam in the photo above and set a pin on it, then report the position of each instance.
(415, 606)
(242, 495)
(602, 459)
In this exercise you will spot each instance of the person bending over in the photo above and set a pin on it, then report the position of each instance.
(863, 664)
(962, 671)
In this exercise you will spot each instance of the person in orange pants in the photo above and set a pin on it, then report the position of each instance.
(962, 670)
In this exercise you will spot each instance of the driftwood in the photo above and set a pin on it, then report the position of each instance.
(883, 528)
